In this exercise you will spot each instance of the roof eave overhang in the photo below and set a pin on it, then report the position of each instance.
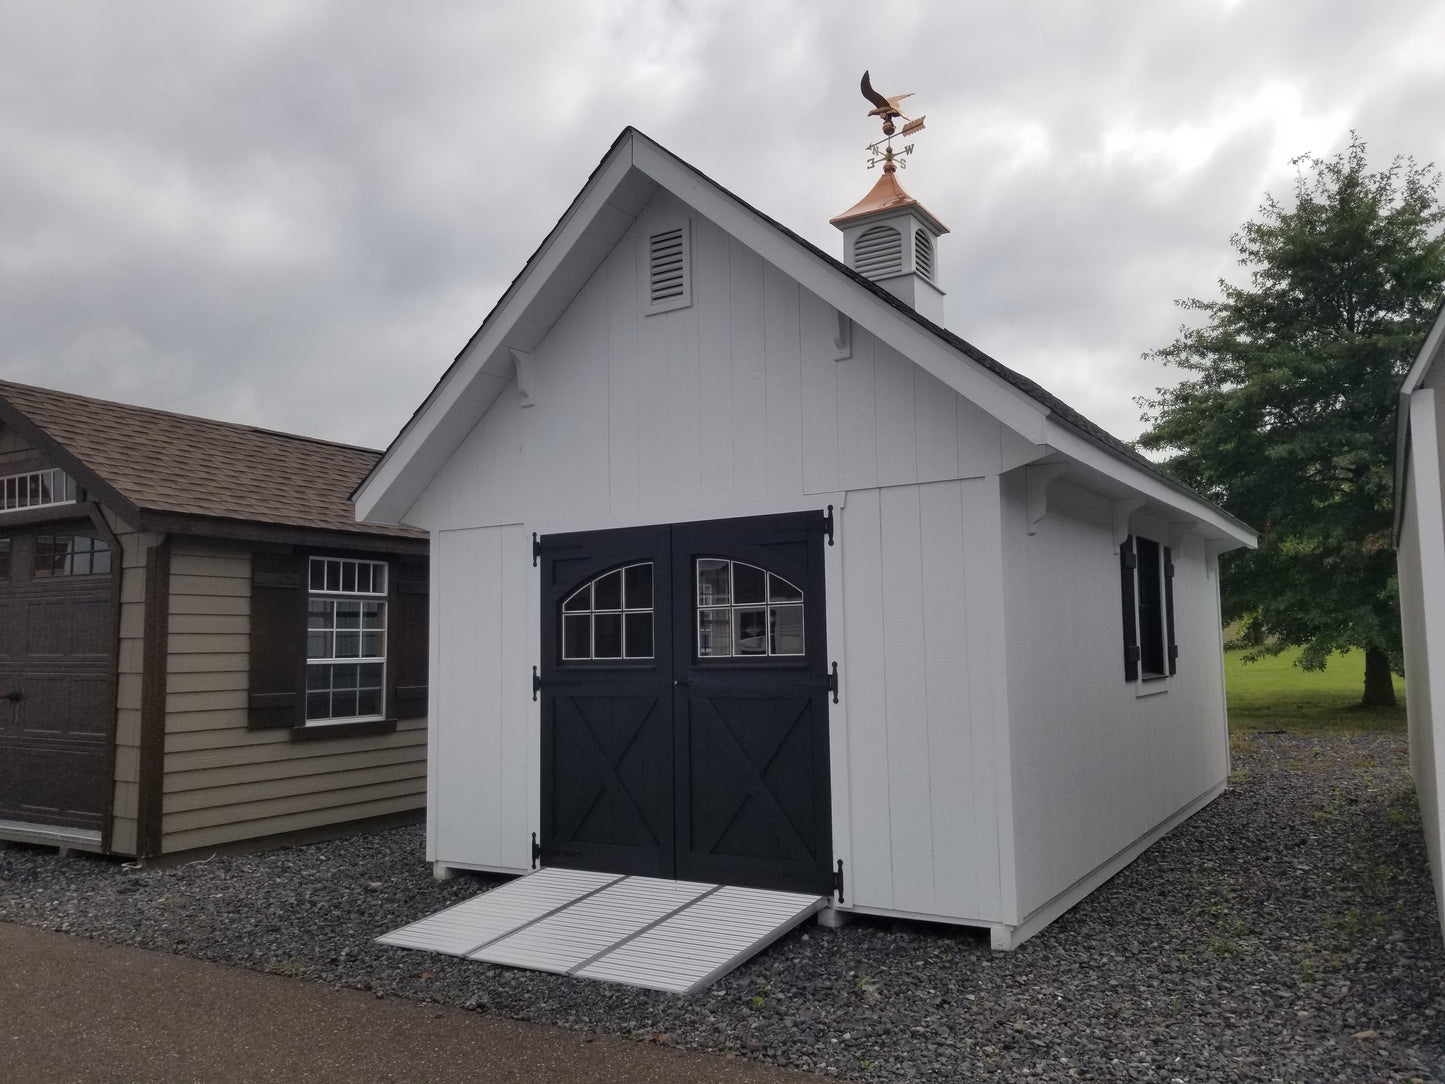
(1174, 501)
(245, 530)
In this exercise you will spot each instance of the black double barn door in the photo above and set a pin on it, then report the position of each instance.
(684, 702)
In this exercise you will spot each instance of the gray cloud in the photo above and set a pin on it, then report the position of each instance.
(295, 215)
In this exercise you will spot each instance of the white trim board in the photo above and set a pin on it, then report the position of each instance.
(678, 936)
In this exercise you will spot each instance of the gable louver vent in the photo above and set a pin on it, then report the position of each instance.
(669, 283)
(878, 252)
(923, 254)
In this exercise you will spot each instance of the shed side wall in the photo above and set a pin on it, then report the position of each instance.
(1095, 765)
(224, 782)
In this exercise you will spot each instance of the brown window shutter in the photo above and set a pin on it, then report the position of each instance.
(1127, 563)
(278, 641)
(408, 639)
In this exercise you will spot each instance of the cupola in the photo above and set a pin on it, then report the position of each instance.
(888, 236)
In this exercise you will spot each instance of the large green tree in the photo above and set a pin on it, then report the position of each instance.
(1287, 414)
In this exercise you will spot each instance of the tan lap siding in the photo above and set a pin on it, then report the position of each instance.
(226, 783)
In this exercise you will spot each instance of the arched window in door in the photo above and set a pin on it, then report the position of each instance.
(743, 610)
(610, 617)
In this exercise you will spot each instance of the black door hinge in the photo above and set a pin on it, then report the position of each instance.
(536, 548)
(536, 850)
(838, 881)
(536, 684)
(828, 524)
(833, 683)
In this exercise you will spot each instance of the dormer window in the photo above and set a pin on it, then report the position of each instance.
(36, 489)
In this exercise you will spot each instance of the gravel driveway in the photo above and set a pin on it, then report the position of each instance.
(1286, 933)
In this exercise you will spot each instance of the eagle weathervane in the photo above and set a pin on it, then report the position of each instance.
(887, 108)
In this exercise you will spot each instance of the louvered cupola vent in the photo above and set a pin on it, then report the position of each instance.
(878, 252)
(923, 254)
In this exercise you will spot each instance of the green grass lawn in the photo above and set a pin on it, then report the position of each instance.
(1275, 694)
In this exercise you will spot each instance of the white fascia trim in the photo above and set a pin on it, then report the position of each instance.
(384, 496)
(1071, 443)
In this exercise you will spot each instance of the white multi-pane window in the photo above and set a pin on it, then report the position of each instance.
(345, 639)
(745, 610)
(36, 489)
(610, 617)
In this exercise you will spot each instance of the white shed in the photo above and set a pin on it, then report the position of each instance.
(1420, 552)
(815, 594)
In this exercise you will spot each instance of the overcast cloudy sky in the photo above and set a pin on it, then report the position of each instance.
(295, 213)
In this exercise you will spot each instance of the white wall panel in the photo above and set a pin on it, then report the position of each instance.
(818, 327)
(896, 414)
(784, 409)
(922, 711)
(485, 719)
(749, 375)
(857, 421)
(714, 408)
(870, 876)
(905, 700)
(1094, 765)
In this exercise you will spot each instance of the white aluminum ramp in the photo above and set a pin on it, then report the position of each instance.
(679, 936)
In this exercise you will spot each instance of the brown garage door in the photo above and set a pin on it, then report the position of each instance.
(56, 661)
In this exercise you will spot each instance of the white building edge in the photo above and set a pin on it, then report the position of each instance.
(1420, 552)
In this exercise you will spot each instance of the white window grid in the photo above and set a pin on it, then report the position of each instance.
(346, 640)
(36, 489)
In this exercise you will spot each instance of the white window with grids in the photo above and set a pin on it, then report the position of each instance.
(345, 640)
(36, 489)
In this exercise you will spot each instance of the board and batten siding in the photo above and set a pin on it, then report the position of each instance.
(923, 684)
(1096, 766)
(224, 782)
(737, 404)
(740, 405)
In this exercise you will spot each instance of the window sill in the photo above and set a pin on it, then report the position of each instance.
(358, 729)
(1151, 686)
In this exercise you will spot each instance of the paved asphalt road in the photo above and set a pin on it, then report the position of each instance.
(76, 1011)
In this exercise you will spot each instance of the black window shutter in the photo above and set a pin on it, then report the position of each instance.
(408, 639)
(1169, 610)
(278, 641)
(1127, 563)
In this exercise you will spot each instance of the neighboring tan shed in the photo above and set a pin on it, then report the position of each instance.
(1420, 554)
(749, 572)
(199, 645)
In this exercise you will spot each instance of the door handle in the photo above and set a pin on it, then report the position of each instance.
(682, 681)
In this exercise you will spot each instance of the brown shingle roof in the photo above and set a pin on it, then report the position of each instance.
(159, 462)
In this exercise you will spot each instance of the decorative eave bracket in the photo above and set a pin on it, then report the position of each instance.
(1123, 510)
(842, 337)
(1037, 478)
(523, 361)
